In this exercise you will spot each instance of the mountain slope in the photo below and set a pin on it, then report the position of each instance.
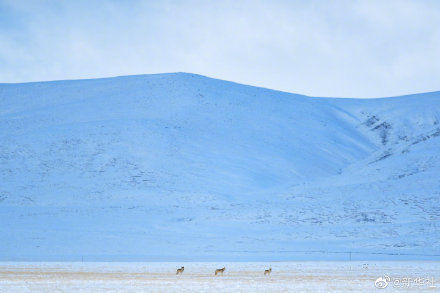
(180, 166)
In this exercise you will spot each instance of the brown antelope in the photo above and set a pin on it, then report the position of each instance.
(219, 271)
(180, 271)
(267, 272)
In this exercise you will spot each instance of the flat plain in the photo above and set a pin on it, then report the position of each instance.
(313, 276)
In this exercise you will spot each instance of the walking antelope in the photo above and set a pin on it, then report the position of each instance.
(180, 271)
(219, 271)
(267, 272)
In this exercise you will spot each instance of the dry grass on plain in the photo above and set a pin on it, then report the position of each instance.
(199, 277)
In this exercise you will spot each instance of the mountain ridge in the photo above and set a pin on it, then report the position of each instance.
(169, 166)
(182, 73)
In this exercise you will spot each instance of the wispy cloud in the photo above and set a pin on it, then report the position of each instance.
(321, 48)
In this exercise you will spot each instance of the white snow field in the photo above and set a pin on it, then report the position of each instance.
(238, 277)
(181, 167)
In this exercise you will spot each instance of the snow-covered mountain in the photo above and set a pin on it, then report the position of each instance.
(184, 167)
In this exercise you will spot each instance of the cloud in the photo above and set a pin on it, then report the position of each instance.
(338, 48)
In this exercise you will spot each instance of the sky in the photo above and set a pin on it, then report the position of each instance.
(319, 48)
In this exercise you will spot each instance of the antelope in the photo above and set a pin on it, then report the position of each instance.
(180, 271)
(219, 271)
(267, 272)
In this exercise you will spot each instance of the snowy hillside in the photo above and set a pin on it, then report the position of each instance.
(185, 167)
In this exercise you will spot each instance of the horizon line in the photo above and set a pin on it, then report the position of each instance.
(219, 79)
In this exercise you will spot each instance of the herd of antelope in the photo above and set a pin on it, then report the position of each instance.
(220, 271)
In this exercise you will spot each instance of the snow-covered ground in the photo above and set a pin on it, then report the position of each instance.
(187, 168)
(238, 277)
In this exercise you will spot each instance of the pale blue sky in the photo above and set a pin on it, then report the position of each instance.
(320, 48)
